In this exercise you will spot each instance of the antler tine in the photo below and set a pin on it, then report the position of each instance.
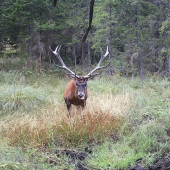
(103, 56)
(63, 66)
(58, 49)
(107, 51)
(89, 75)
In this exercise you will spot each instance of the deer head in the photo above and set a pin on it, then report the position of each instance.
(76, 90)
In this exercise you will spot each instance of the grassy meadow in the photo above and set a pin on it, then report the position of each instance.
(125, 122)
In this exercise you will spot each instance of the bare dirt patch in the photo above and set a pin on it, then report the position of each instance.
(160, 163)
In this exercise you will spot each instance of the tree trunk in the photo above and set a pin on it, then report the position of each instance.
(40, 52)
(138, 42)
(74, 54)
(91, 6)
(50, 40)
(30, 48)
(165, 35)
(82, 57)
(89, 56)
(166, 65)
(41, 62)
(109, 39)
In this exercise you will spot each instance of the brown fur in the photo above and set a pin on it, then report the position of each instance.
(70, 94)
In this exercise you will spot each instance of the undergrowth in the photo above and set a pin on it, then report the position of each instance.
(125, 120)
(96, 123)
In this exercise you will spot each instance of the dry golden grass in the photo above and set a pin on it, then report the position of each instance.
(100, 119)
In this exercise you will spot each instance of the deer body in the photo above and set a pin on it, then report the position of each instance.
(74, 95)
(76, 90)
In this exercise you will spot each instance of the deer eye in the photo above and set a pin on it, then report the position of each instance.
(76, 84)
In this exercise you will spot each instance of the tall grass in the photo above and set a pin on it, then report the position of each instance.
(97, 122)
(41, 115)
(145, 132)
(134, 113)
(20, 98)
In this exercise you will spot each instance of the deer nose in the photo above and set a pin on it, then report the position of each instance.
(81, 96)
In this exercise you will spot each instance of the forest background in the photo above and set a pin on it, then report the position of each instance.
(137, 33)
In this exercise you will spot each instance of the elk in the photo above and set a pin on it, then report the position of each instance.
(76, 90)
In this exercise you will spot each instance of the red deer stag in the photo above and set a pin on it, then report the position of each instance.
(76, 90)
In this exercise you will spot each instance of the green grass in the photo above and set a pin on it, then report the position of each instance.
(118, 155)
(14, 158)
(21, 98)
(125, 120)
(144, 133)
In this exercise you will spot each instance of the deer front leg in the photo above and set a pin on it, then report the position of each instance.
(68, 104)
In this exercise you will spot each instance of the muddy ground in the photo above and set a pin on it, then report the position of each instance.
(160, 163)
(78, 159)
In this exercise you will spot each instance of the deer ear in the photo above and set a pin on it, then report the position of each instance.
(86, 79)
(77, 78)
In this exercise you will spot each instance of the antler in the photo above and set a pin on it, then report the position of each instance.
(89, 75)
(57, 54)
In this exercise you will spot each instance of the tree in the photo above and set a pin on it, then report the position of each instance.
(137, 33)
(90, 20)
(138, 40)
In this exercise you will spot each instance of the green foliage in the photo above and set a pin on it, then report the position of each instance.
(12, 158)
(142, 134)
(164, 27)
(17, 97)
(34, 25)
